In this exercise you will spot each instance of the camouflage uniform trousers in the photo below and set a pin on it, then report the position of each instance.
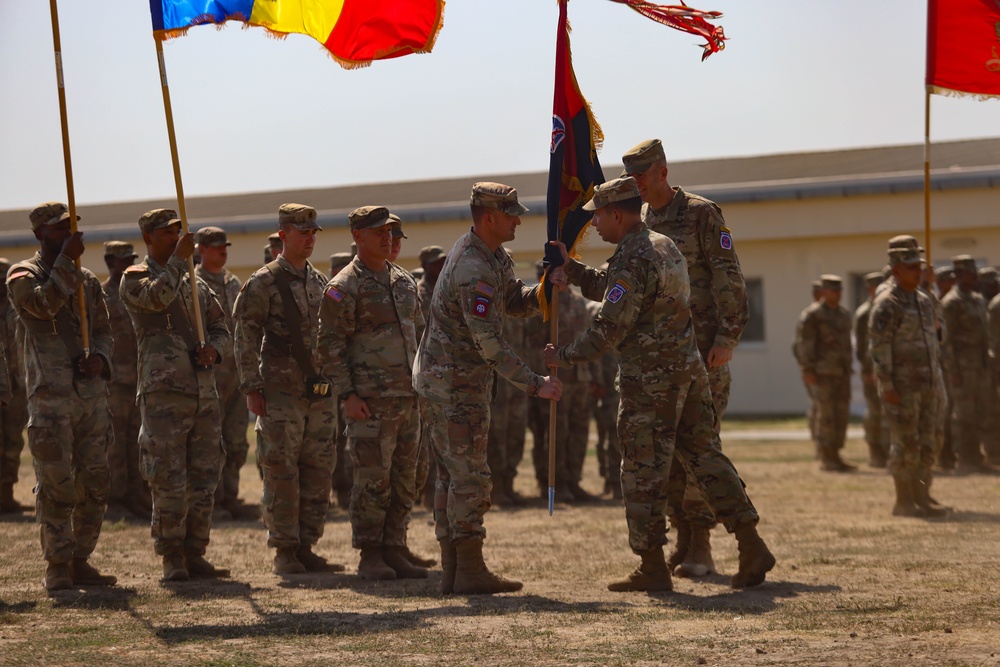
(235, 417)
(912, 427)
(572, 431)
(538, 424)
(123, 454)
(459, 434)
(343, 472)
(947, 453)
(180, 446)
(69, 438)
(384, 450)
(650, 426)
(13, 418)
(691, 507)
(873, 423)
(833, 404)
(497, 447)
(608, 413)
(970, 402)
(296, 451)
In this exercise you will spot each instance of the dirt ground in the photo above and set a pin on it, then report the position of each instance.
(853, 586)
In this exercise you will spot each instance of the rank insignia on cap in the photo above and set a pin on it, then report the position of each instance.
(484, 289)
(335, 294)
(725, 239)
(618, 291)
(481, 307)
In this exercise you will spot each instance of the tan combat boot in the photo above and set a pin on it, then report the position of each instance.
(698, 561)
(313, 562)
(651, 575)
(57, 577)
(472, 577)
(373, 567)
(174, 568)
(904, 498)
(756, 560)
(286, 562)
(922, 499)
(85, 574)
(394, 558)
(419, 561)
(199, 568)
(681, 544)
(448, 559)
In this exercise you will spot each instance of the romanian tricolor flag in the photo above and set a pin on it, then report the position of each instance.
(573, 166)
(355, 32)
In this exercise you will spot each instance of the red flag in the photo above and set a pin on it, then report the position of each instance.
(963, 47)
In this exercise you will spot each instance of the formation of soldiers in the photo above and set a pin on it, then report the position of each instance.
(380, 387)
(927, 345)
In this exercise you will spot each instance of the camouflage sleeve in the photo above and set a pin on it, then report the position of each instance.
(807, 342)
(216, 332)
(250, 314)
(592, 282)
(102, 339)
(727, 279)
(861, 338)
(486, 329)
(419, 320)
(141, 290)
(951, 316)
(337, 323)
(521, 301)
(619, 312)
(43, 299)
(882, 325)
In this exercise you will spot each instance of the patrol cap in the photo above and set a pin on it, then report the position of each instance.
(816, 284)
(119, 249)
(620, 189)
(369, 217)
(158, 218)
(300, 216)
(497, 195)
(214, 237)
(905, 241)
(832, 282)
(339, 260)
(988, 273)
(873, 279)
(49, 213)
(417, 273)
(397, 227)
(907, 256)
(944, 273)
(642, 156)
(964, 263)
(274, 239)
(431, 254)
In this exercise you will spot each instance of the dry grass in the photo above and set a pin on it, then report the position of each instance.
(853, 586)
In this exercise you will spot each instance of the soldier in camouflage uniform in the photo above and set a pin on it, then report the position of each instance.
(180, 440)
(343, 472)
(817, 294)
(69, 426)
(989, 287)
(903, 342)
(431, 261)
(824, 346)
(213, 246)
(273, 248)
(720, 312)
(967, 323)
(460, 353)
(666, 401)
(945, 280)
(367, 343)
(14, 412)
(128, 489)
(296, 413)
(877, 447)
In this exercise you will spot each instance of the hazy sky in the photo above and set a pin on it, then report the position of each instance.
(254, 113)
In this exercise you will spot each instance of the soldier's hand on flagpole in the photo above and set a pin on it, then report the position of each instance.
(355, 407)
(185, 246)
(72, 247)
(207, 355)
(557, 278)
(562, 249)
(256, 403)
(551, 355)
(91, 366)
(551, 389)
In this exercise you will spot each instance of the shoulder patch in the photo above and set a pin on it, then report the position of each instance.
(481, 307)
(19, 274)
(618, 291)
(484, 289)
(725, 238)
(335, 294)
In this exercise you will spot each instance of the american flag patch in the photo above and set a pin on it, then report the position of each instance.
(335, 294)
(484, 289)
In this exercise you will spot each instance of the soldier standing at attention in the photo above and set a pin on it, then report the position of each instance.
(431, 261)
(944, 278)
(273, 248)
(367, 344)
(128, 488)
(665, 397)
(70, 426)
(877, 449)
(343, 472)
(214, 248)
(824, 347)
(906, 358)
(180, 440)
(277, 319)
(14, 413)
(461, 351)
(720, 312)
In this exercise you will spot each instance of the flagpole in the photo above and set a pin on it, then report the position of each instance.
(68, 163)
(554, 373)
(927, 174)
(199, 328)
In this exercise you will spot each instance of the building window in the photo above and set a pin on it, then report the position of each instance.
(754, 331)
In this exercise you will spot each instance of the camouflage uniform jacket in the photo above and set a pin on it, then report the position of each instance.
(861, 337)
(38, 293)
(226, 287)
(165, 363)
(262, 335)
(903, 340)
(463, 344)
(124, 359)
(11, 347)
(424, 292)
(824, 346)
(718, 291)
(367, 331)
(968, 329)
(644, 313)
(573, 321)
